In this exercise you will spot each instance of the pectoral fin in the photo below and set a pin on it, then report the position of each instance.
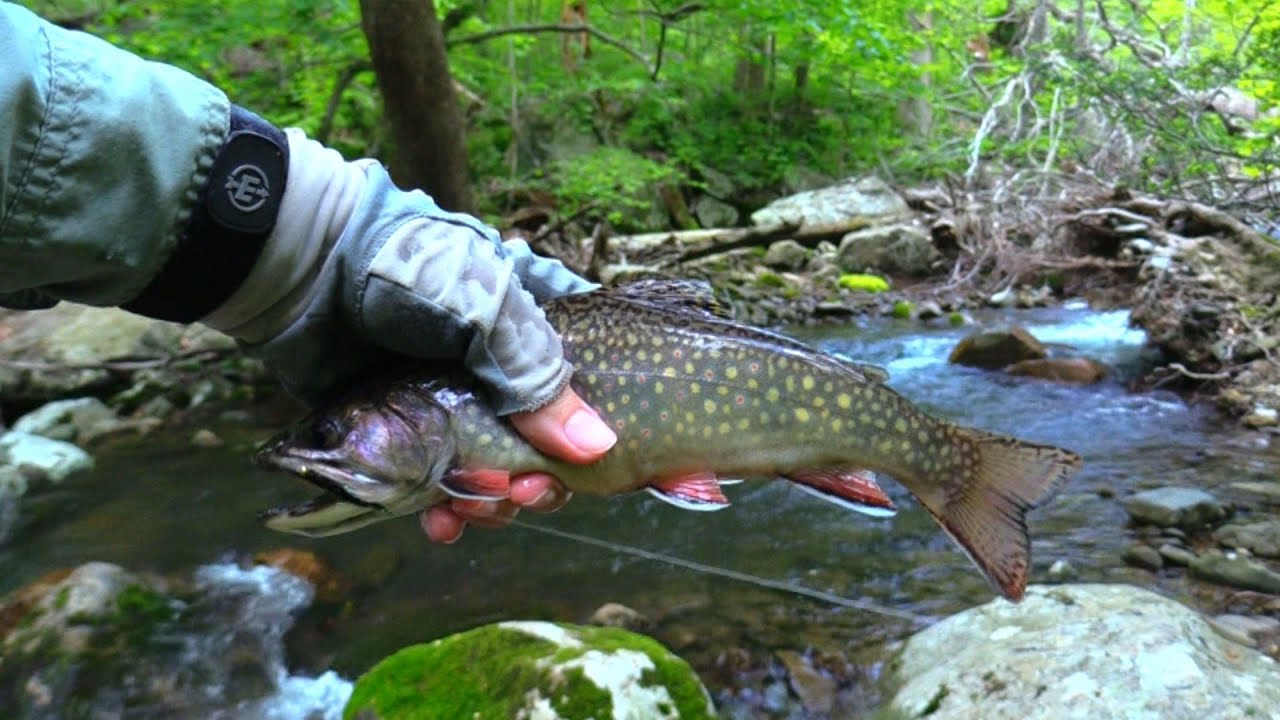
(487, 484)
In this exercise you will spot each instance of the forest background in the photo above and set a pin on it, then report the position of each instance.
(606, 111)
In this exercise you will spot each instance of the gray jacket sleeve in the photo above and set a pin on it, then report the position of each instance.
(101, 157)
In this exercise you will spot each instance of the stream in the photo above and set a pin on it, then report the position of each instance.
(163, 506)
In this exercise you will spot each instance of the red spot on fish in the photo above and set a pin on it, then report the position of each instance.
(754, 367)
(664, 415)
(620, 424)
(739, 399)
(644, 404)
(677, 353)
(679, 395)
(644, 433)
(709, 375)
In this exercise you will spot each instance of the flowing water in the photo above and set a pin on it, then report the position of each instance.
(170, 508)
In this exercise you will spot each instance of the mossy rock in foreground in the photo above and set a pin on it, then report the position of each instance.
(532, 670)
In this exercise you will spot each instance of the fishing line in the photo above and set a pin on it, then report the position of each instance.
(779, 585)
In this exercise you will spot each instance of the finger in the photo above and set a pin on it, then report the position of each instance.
(539, 492)
(566, 428)
(442, 524)
(482, 513)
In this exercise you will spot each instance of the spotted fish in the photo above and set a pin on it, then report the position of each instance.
(696, 400)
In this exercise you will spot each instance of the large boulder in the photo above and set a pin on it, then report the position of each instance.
(1082, 651)
(853, 198)
(898, 249)
(40, 458)
(104, 638)
(74, 420)
(532, 670)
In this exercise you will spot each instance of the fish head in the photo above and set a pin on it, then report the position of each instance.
(373, 453)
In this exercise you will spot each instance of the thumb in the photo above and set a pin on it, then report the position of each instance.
(566, 428)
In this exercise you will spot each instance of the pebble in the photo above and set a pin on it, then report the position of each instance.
(1261, 417)
(1143, 556)
(1175, 555)
(1061, 570)
(1177, 507)
(206, 438)
(816, 691)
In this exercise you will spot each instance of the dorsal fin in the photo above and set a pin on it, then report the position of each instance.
(693, 296)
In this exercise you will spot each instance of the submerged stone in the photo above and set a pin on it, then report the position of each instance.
(1182, 507)
(1080, 652)
(1235, 571)
(532, 670)
(1077, 371)
(1262, 538)
(994, 350)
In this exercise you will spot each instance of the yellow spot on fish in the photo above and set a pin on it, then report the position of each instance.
(624, 398)
(658, 387)
(642, 355)
(844, 401)
(621, 381)
(743, 423)
(657, 358)
(864, 418)
(485, 438)
(707, 431)
(900, 425)
(689, 368)
(589, 355)
(772, 394)
(627, 365)
(905, 445)
(731, 372)
(688, 417)
(837, 425)
(668, 372)
(753, 384)
(802, 415)
(807, 383)
(818, 401)
(610, 406)
(694, 388)
(722, 389)
(657, 341)
(709, 406)
(725, 428)
(591, 379)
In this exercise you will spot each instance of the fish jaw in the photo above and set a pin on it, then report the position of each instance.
(324, 516)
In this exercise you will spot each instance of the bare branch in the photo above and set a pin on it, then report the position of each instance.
(554, 28)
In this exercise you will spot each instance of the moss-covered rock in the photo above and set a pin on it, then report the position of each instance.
(532, 670)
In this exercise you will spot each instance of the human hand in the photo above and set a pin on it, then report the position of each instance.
(566, 428)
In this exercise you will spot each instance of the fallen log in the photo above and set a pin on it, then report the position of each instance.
(685, 245)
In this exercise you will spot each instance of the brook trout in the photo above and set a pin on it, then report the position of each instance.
(696, 400)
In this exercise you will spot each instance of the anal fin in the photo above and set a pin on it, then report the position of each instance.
(481, 484)
(695, 491)
(855, 490)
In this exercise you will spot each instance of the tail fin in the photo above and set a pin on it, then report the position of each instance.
(986, 512)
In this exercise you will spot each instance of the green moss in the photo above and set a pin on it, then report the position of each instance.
(578, 697)
(486, 672)
(902, 309)
(957, 319)
(60, 601)
(770, 279)
(863, 283)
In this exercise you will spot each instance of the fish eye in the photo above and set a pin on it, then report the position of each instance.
(328, 433)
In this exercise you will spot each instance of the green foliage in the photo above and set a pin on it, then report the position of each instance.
(613, 182)
(754, 98)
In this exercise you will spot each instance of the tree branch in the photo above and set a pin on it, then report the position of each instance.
(554, 28)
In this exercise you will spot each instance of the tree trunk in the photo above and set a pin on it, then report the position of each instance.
(406, 45)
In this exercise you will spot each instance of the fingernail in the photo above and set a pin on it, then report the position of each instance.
(588, 432)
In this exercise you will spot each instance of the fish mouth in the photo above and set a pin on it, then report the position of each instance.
(337, 509)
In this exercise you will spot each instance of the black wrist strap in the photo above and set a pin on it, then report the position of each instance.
(229, 225)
